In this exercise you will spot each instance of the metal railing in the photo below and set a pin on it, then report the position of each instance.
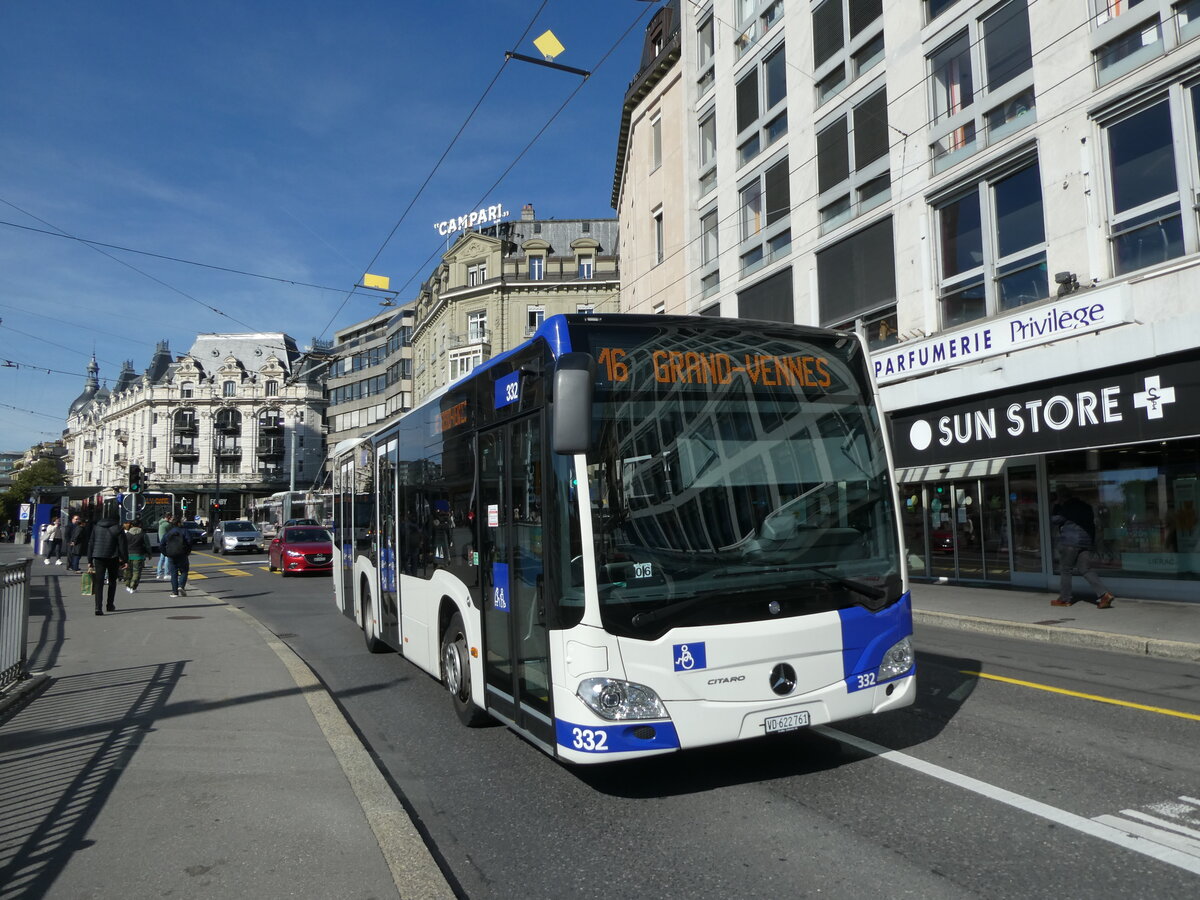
(14, 620)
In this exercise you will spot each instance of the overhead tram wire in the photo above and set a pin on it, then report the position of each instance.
(176, 259)
(425, 265)
(432, 172)
(729, 220)
(122, 262)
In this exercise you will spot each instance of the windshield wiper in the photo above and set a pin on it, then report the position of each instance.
(867, 590)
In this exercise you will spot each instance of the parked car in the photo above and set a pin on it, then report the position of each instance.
(290, 522)
(236, 536)
(196, 533)
(301, 548)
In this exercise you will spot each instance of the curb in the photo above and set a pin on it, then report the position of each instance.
(1075, 637)
(23, 692)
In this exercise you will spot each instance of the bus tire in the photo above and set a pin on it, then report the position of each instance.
(456, 673)
(374, 644)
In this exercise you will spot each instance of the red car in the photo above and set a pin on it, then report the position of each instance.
(301, 548)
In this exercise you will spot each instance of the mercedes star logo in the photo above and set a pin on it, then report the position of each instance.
(783, 679)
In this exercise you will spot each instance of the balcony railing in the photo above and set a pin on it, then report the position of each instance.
(270, 449)
(185, 450)
(270, 426)
(187, 426)
(233, 450)
(226, 427)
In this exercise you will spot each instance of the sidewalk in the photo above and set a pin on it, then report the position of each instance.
(1150, 627)
(176, 747)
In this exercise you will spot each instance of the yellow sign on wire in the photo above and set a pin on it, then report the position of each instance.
(548, 44)
(382, 282)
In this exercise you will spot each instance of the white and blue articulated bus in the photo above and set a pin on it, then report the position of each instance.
(633, 535)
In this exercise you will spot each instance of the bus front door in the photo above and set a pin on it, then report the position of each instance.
(516, 645)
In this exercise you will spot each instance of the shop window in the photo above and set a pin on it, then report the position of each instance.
(853, 173)
(981, 84)
(847, 42)
(992, 247)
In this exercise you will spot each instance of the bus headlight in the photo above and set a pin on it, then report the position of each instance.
(897, 661)
(611, 698)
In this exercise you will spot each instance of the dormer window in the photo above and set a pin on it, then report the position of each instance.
(187, 390)
(272, 388)
(229, 389)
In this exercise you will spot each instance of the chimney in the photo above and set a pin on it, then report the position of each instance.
(527, 213)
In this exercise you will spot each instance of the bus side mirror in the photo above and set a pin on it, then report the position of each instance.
(571, 417)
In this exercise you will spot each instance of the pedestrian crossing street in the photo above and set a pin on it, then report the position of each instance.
(1172, 823)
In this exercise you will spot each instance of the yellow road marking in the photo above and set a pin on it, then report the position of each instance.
(1081, 696)
(237, 572)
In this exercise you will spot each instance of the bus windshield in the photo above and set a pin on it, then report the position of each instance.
(736, 476)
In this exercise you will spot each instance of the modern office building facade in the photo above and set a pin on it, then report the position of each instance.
(1002, 195)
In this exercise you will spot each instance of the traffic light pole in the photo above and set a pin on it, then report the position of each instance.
(216, 504)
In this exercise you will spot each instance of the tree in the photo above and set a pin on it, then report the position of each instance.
(44, 471)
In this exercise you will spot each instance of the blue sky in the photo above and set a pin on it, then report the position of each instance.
(279, 138)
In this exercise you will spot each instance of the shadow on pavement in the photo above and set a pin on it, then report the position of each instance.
(942, 689)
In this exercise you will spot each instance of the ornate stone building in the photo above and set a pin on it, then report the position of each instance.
(237, 416)
(494, 286)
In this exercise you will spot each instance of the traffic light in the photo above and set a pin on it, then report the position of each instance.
(135, 478)
(183, 504)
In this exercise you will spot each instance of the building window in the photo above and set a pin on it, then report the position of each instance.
(271, 389)
(934, 8)
(476, 274)
(585, 309)
(856, 276)
(586, 266)
(708, 153)
(534, 315)
(463, 361)
(537, 268)
(659, 238)
(229, 389)
(761, 94)
(705, 49)
(769, 300)
(992, 246)
(1130, 33)
(187, 390)
(852, 161)
(710, 247)
(765, 212)
(1146, 224)
(655, 144)
(847, 42)
(879, 327)
(477, 326)
(995, 51)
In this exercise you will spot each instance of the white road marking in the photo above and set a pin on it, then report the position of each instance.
(1120, 835)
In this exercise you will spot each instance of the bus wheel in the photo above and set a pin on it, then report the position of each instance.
(456, 673)
(374, 644)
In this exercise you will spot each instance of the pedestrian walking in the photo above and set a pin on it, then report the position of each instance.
(164, 525)
(176, 545)
(106, 556)
(1076, 537)
(76, 538)
(137, 546)
(52, 544)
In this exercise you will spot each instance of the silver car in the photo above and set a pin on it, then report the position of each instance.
(237, 536)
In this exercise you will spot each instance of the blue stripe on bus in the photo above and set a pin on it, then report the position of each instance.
(620, 738)
(866, 636)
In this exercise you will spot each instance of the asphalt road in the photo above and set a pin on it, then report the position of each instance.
(985, 787)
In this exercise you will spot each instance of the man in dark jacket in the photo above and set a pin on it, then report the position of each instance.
(106, 556)
(76, 540)
(175, 546)
(1076, 534)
